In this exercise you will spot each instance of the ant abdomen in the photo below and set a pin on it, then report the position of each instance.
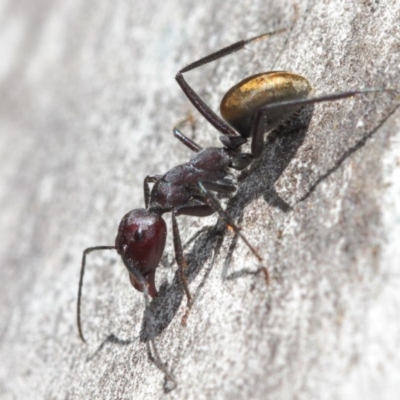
(243, 101)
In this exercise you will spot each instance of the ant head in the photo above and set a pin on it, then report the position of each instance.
(140, 242)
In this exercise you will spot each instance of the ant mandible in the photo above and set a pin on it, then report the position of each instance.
(249, 109)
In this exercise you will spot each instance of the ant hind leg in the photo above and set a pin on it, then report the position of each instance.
(214, 119)
(216, 206)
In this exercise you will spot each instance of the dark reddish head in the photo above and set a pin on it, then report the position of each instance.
(140, 242)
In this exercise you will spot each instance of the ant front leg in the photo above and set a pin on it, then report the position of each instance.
(197, 207)
(196, 100)
(180, 259)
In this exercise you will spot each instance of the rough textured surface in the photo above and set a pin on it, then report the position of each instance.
(88, 101)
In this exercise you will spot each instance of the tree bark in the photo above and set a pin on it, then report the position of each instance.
(88, 101)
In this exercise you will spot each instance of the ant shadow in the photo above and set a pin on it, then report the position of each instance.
(246, 193)
(169, 381)
(280, 148)
(113, 340)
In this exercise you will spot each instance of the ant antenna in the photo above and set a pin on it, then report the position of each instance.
(78, 313)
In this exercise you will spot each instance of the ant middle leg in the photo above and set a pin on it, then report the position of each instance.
(189, 143)
(192, 145)
(146, 187)
(239, 160)
(216, 206)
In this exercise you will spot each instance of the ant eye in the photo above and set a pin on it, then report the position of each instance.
(139, 235)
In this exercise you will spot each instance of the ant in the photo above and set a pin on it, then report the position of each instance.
(254, 106)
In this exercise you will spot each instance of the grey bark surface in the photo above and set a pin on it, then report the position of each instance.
(88, 101)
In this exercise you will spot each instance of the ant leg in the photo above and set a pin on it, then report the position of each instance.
(192, 145)
(180, 259)
(148, 318)
(186, 141)
(197, 207)
(241, 160)
(260, 127)
(223, 186)
(215, 204)
(196, 100)
(162, 366)
(78, 309)
(146, 187)
(261, 121)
